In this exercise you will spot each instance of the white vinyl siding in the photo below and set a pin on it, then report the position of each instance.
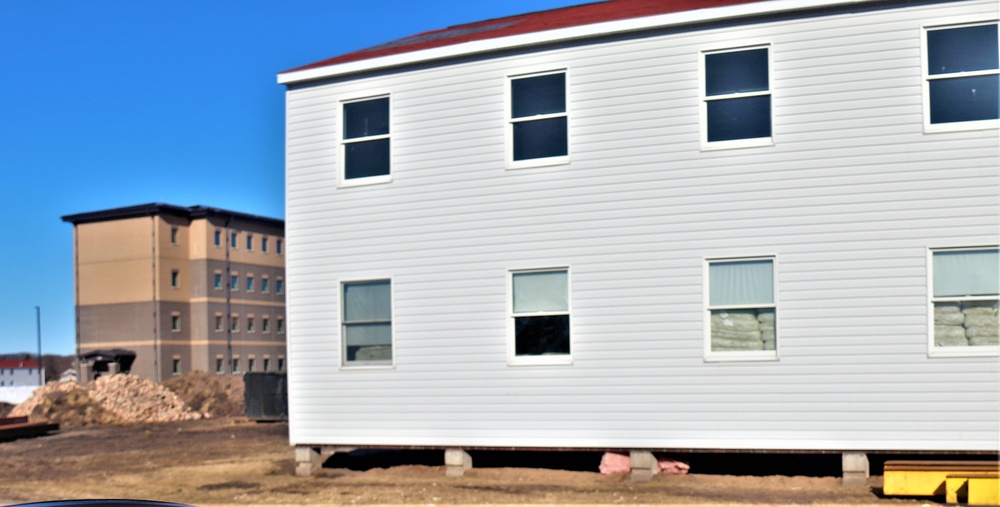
(849, 199)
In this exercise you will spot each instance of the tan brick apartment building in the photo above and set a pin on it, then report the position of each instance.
(183, 288)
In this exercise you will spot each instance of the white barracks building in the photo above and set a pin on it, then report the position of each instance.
(652, 225)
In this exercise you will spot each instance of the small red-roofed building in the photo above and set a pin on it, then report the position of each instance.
(20, 373)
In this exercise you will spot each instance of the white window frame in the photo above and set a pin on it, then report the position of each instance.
(704, 98)
(541, 360)
(366, 365)
(342, 142)
(510, 120)
(739, 355)
(926, 77)
(932, 349)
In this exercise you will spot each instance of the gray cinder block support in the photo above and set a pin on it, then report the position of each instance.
(856, 469)
(307, 460)
(456, 462)
(643, 465)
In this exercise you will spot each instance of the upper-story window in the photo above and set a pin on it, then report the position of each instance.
(539, 324)
(538, 125)
(249, 242)
(175, 279)
(233, 240)
(277, 246)
(961, 77)
(175, 236)
(263, 244)
(964, 301)
(366, 146)
(217, 238)
(736, 110)
(741, 310)
(249, 283)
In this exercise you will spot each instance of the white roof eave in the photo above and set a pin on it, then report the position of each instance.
(560, 35)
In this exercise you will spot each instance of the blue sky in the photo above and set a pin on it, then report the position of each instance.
(109, 103)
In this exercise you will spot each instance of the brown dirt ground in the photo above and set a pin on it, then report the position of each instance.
(235, 461)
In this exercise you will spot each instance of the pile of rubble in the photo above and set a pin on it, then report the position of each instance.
(209, 394)
(118, 399)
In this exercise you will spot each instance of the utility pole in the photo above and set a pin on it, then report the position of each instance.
(38, 327)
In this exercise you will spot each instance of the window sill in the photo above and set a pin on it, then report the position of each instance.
(961, 126)
(553, 360)
(971, 351)
(737, 144)
(367, 366)
(735, 356)
(537, 162)
(360, 182)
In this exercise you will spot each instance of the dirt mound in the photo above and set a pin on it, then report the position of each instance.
(139, 400)
(5, 409)
(208, 394)
(118, 399)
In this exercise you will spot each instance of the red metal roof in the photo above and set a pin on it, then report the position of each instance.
(609, 10)
(17, 363)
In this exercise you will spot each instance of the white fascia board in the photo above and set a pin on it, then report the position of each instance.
(561, 34)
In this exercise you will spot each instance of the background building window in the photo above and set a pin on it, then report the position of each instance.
(249, 283)
(737, 95)
(175, 279)
(265, 325)
(963, 73)
(218, 323)
(177, 367)
(175, 323)
(279, 286)
(217, 281)
(277, 246)
(263, 244)
(367, 322)
(217, 238)
(540, 313)
(741, 305)
(234, 324)
(965, 297)
(234, 282)
(366, 138)
(175, 236)
(233, 240)
(266, 366)
(251, 365)
(538, 118)
(236, 365)
(219, 365)
(281, 364)
(251, 325)
(281, 325)
(249, 242)
(265, 285)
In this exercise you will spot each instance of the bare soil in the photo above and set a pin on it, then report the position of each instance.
(235, 461)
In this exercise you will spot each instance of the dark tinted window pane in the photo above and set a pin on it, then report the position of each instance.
(366, 158)
(540, 139)
(541, 335)
(962, 49)
(744, 118)
(366, 118)
(533, 96)
(964, 99)
(736, 72)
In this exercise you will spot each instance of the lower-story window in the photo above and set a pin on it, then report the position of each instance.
(539, 317)
(965, 291)
(367, 322)
(741, 310)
